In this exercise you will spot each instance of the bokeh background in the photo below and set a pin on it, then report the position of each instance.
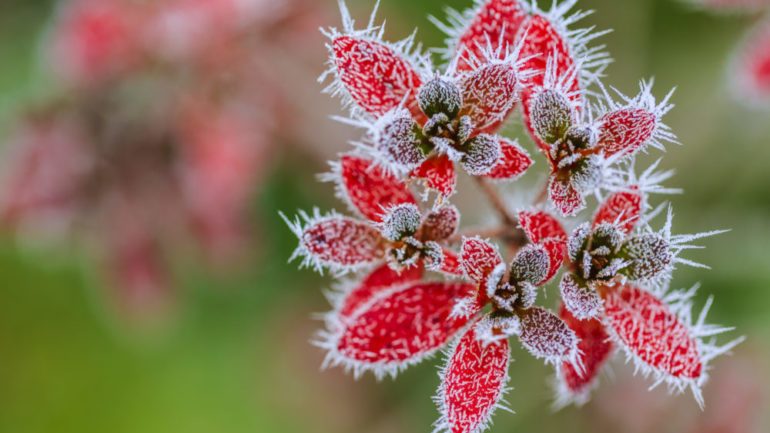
(232, 355)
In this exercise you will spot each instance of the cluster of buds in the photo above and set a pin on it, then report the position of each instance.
(163, 120)
(749, 73)
(423, 284)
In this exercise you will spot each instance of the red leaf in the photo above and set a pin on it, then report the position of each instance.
(540, 225)
(451, 264)
(494, 22)
(556, 249)
(567, 200)
(626, 130)
(623, 207)
(473, 382)
(489, 95)
(514, 161)
(376, 77)
(547, 337)
(338, 242)
(396, 328)
(543, 42)
(652, 333)
(377, 281)
(439, 174)
(479, 258)
(369, 188)
(595, 347)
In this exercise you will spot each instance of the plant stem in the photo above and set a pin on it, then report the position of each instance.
(496, 201)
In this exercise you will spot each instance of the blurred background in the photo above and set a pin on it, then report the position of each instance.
(146, 148)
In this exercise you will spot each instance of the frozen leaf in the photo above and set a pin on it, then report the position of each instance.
(649, 255)
(377, 77)
(490, 26)
(540, 225)
(565, 197)
(451, 264)
(551, 115)
(368, 188)
(440, 96)
(531, 264)
(439, 174)
(625, 131)
(573, 385)
(380, 279)
(622, 208)
(400, 221)
(513, 162)
(472, 384)
(441, 223)
(479, 258)
(482, 154)
(580, 299)
(489, 94)
(394, 329)
(547, 337)
(396, 137)
(556, 249)
(337, 242)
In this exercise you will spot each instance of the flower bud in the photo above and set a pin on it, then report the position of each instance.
(551, 115)
(440, 96)
(399, 140)
(481, 155)
(649, 255)
(441, 223)
(587, 174)
(400, 221)
(580, 137)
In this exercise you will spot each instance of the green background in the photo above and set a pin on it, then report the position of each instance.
(236, 358)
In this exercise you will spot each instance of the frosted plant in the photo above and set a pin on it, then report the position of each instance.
(421, 284)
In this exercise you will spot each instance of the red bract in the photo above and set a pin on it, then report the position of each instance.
(396, 328)
(541, 226)
(574, 385)
(367, 188)
(624, 131)
(338, 242)
(472, 384)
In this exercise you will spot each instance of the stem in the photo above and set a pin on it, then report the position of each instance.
(496, 201)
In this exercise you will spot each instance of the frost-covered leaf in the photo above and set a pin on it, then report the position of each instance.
(513, 162)
(540, 225)
(531, 264)
(395, 328)
(565, 197)
(336, 242)
(472, 384)
(380, 279)
(625, 130)
(557, 250)
(573, 385)
(438, 173)
(377, 77)
(440, 96)
(441, 223)
(652, 334)
(368, 188)
(579, 298)
(547, 337)
(623, 208)
(649, 255)
(550, 114)
(479, 258)
(400, 221)
(490, 94)
(482, 154)
(492, 25)
(451, 264)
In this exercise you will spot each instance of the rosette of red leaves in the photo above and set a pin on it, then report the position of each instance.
(420, 124)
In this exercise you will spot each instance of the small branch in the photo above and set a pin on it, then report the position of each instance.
(496, 201)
